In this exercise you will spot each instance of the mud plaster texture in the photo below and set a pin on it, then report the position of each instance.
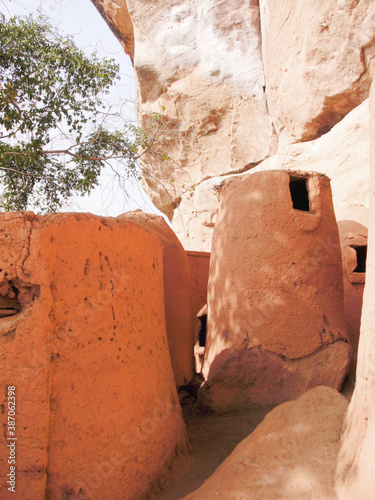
(97, 408)
(199, 263)
(275, 324)
(177, 296)
(353, 236)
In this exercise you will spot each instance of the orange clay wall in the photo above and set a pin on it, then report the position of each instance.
(275, 324)
(352, 235)
(97, 412)
(199, 263)
(177, 298)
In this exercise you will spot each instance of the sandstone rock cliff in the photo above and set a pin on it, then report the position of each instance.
(356, 466)
(234, 82)
(342, 154)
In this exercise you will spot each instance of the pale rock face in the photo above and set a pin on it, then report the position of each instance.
(198, 67)
(194, 219)
(224, 85)
(315, 61)
(357, 213)
(342, 154)
(355, 472)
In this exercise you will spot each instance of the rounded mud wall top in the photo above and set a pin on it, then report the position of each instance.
(177, 294)
(275, 272)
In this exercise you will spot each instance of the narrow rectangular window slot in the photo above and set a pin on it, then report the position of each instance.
(202, 330)
(299, 193)
(361, 252)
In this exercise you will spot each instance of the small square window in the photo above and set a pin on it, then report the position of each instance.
(299, 193)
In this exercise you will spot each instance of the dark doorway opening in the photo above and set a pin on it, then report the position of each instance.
(361, 259)
(299, 193)
(201, 332)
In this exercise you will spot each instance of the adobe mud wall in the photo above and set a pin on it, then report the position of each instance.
(199, 264)
(97, 412)
(177, 294)
(353, 240)
(275, 322)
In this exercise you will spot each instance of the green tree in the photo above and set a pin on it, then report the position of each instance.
(52, 94)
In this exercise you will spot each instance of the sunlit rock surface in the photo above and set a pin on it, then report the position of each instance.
(225, 85)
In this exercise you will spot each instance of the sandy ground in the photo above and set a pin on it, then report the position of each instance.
(212, 438)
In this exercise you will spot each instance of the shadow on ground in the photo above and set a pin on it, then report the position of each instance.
(212, 438)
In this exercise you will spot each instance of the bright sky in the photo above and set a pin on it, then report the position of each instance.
(80, 19)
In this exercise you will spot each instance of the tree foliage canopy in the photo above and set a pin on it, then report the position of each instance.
(51, 93)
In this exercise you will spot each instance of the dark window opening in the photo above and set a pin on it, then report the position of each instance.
(200, 335)
(299, 193)
(361, 259)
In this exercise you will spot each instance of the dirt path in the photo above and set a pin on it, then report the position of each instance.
(212, 438)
